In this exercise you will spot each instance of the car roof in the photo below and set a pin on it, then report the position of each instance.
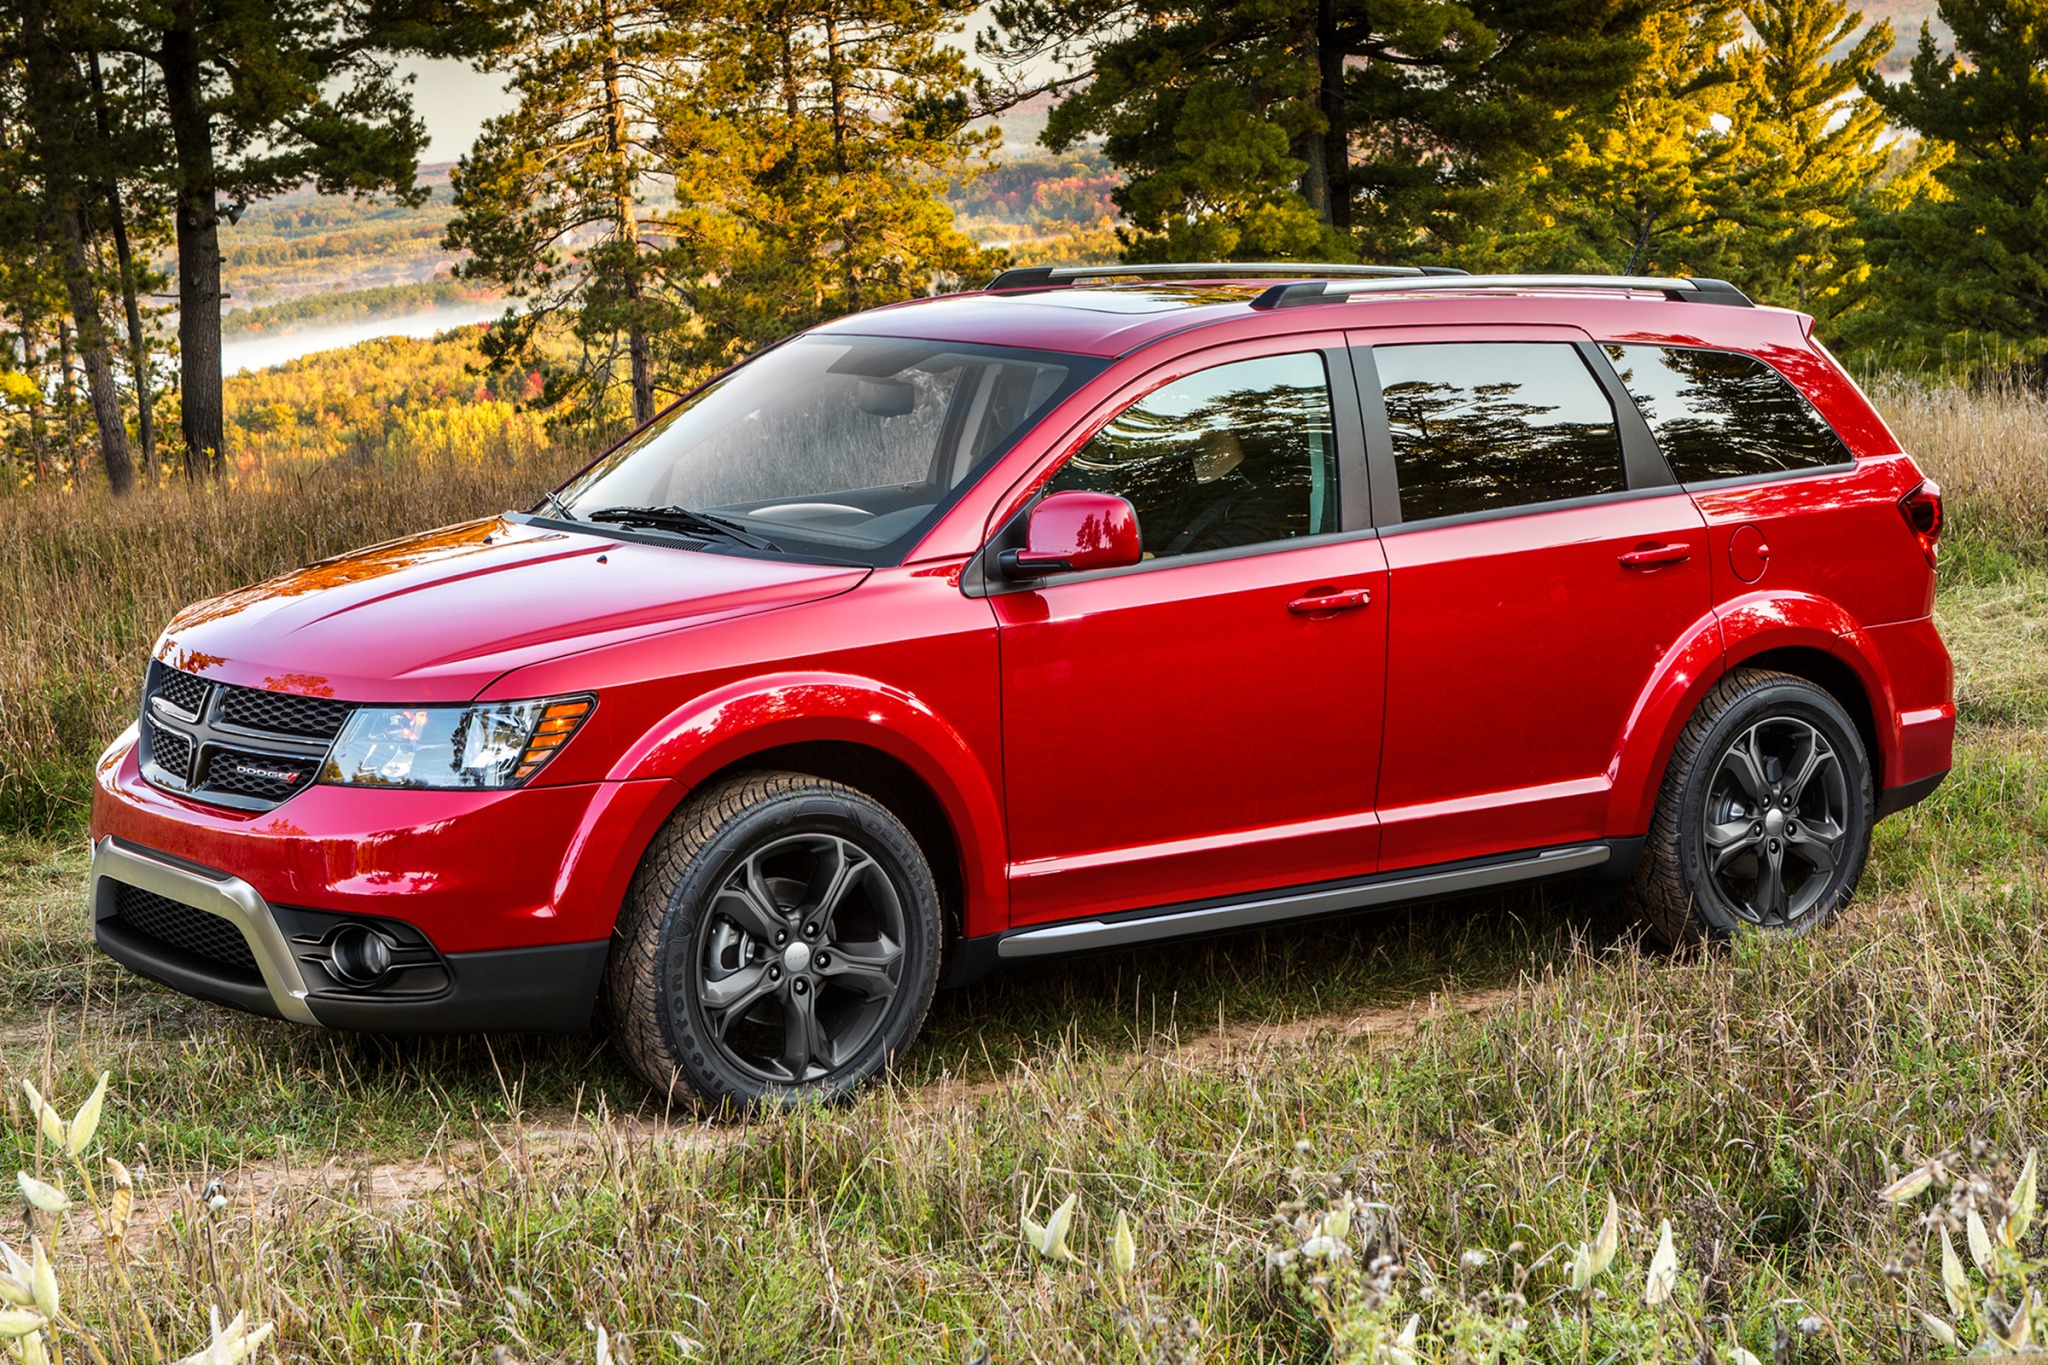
(1110, 319)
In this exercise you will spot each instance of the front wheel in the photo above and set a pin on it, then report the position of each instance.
(780, 942)
(1764, 819)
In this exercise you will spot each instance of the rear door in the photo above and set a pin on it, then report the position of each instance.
(1205, 722)
(1541, 562)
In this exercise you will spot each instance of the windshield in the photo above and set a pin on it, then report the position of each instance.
(844, 446)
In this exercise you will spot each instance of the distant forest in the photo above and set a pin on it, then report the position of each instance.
(676, 184)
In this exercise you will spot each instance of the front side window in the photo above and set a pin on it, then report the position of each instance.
(1483, 425)
(1238, 455)
(1724, 415)
(843, 446)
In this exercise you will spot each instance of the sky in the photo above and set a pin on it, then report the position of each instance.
(454, 98)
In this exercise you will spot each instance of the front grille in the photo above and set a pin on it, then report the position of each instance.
(282, 712)
(181, 690)
(266, 777)
(170, 751)
(184, 928)
(246, 748)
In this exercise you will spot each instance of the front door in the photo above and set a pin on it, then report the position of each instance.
(1206, 722)
(1542, 565)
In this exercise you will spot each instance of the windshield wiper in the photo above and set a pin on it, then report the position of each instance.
(682, 519)
(550, 500)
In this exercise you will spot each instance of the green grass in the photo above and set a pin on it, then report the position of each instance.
(433, 1200)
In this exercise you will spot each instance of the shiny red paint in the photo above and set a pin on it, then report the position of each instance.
(1078, 532)
(1508, 691)
(1166, 732)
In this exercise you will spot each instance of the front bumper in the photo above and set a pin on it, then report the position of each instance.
(497, 907)
(281, 966)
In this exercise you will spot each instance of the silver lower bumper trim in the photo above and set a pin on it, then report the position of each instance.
(216, 893)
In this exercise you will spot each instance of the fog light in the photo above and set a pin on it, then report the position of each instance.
(359, 956)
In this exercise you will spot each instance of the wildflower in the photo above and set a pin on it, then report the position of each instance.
(46, 1117)
(1590, 1261)
(231, 1344)
(1980, 1242)
(1908, 1186)
(1123, 1248)
(1050, 1239)
(1663, 1269)
(15, 1278)
(1942, 1332)
(48, 1198)
(19, 1322)
(42, 1279)
(1954, 1283)
(87, 1121)
(2021, 1216)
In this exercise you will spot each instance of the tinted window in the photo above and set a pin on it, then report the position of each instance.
(1238, 455)
(1496, 424)
(841, 445)
(1721, 415)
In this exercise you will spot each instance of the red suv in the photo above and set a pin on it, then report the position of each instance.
(1096, 608)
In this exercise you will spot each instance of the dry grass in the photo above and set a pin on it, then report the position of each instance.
(1988, 448)
(1756, 1099)
(87, 583)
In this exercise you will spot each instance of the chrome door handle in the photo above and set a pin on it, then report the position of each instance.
(1650, 556)
(1346, 599)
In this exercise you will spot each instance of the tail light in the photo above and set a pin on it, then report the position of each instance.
(1922, 510)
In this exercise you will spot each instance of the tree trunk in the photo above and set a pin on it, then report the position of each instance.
(1336, 152)
(198, 223)
(835, 79)
(627, 226)
(61, 139)
(67, 393)
(131, 303)
(95, 350)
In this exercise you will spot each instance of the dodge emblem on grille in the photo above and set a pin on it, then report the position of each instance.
(270, 774)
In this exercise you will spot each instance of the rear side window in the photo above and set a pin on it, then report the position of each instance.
(1238, 455)
(1724, 415)
(1484, 425)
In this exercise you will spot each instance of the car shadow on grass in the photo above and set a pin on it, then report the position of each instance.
(226, 1086)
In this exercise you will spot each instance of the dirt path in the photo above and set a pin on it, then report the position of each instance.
(268, 1189)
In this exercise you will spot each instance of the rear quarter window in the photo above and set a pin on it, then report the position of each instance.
(1724, 415)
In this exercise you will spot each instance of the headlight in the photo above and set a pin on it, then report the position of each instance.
(496, 745)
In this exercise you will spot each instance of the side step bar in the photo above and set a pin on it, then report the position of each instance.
(1149, 926)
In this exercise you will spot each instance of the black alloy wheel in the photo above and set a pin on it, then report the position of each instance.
(1763, 821)
(1774, 821)
(780, 943)
(802, 959)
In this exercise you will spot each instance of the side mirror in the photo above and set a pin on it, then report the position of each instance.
(1072, 532)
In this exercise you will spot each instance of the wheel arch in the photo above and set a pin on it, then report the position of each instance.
(873, 737)
(1808, 637)
(1833, 675)
(890, 781)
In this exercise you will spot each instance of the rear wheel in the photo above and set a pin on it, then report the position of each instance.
(1764, 819)
(780, 942)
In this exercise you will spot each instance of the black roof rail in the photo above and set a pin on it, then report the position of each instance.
(1052, 276)
(1695, 288)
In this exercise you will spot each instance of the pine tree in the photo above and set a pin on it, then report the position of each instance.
(550, 203)
(1302, 127)
(260, 97)
(63, 159)
(1969, 262)
(1812, 153)
(809, 156)
(1639, 187)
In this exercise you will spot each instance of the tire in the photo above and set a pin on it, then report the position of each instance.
(699, 992)
(1748, 837)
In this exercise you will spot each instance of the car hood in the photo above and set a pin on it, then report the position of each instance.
(438, 616)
